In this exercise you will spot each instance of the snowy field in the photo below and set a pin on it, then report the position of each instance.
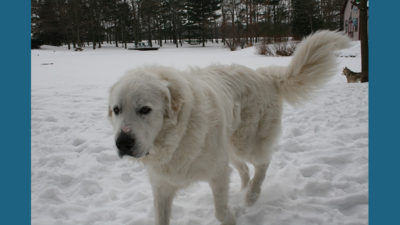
(318, 175)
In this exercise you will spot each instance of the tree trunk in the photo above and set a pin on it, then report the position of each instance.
(149, 32)
(98, 37)
(122, 36)
(364, 39)
(247, 22)
(78, 38)
(233, 24)
(116, 34)
(107, 37)
(174, 35)
(68, 39)
(223, 25)
(93, 37)
(202, 27)
(250, 29)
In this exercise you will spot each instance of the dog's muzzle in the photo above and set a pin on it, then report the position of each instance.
(126, 145)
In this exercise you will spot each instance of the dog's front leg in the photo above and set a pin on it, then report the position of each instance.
(163, 195)
(220, 187)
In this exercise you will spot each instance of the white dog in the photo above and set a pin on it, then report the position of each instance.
(187, 126)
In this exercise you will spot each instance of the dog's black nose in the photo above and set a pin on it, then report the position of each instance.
(125, 144)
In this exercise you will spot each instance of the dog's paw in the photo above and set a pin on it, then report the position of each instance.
(252, 195)
(251, 198)
(228, 219)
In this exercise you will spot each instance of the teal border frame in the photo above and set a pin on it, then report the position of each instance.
(15, 165)
(384, 113)
(384, 86)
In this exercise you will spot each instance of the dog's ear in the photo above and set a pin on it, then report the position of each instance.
(109, 112)
(174, 99)
(109, 107)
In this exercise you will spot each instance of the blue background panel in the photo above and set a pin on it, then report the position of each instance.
(15, 112)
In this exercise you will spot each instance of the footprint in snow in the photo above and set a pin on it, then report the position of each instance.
(51, 119)
(126, 177)
(78, 141)
(344, 203)
(89, 188)
(296, 132)
(310, 170)
(51, 196)
(336, 159)
(316, 188)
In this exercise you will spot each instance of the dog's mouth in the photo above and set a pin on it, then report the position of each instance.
(133, 154)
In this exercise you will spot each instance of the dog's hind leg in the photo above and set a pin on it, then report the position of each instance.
(243, 170)
(220, 187)
(254, 189)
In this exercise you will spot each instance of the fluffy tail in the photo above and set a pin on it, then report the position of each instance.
(313, 63)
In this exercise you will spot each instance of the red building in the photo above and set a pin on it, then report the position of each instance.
(351, 19)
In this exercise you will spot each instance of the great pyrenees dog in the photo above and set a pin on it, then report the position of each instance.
(188, 126)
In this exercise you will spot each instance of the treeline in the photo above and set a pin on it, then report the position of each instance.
(236, 22)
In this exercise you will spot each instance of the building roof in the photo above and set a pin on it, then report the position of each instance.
(345, 3)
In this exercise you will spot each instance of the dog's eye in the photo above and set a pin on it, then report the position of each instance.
(144, 110)
(116, 110)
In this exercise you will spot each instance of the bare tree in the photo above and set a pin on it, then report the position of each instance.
(363, 7)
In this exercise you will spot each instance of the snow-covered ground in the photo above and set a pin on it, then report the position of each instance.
(319, 173)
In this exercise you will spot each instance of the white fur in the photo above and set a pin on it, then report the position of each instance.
(203, 119)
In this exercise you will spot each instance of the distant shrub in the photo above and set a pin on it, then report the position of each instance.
(232, 45)
(36, 43)
(264, 49)
(286, 48)
(243, 44)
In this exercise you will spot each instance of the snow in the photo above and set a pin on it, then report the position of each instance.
(318, 175)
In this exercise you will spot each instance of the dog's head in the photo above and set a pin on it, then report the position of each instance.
(140, 104)
(345, 71)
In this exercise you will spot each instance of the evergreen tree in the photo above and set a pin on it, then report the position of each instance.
(331, 14)
(82, 22)
(49, 23)
(174, 18)
(306, 17)
(200, 14)
(148, 12)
